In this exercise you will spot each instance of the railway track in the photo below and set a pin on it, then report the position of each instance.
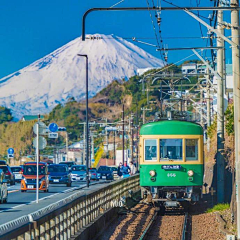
(148, 228)
(167, 227)
(144, 222)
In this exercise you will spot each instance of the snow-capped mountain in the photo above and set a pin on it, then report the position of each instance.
(60, 75)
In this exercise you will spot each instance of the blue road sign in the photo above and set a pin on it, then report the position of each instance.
(10, 151)
(62, 129)
(53, 127)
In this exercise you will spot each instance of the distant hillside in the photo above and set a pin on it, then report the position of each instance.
(107, 104)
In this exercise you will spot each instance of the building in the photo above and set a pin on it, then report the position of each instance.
(31, 117)
(74, 154)
(228, 88)
(189, 68)
(193, 68)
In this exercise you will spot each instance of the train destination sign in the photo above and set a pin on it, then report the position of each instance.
(171, 167)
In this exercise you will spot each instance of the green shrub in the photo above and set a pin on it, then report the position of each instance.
(213, 127)
(219, 207)
(229, 115)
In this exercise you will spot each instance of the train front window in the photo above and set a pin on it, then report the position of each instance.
(150, 149)
(171, 149)
(191, 149)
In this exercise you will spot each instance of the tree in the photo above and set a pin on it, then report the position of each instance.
(5, 115)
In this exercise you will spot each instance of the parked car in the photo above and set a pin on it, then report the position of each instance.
(17, 171)
(9, 176)
(69, 164)
(115, 171)
(94, 174)
(106, 172)
(3, 187)
(59, 173)
(29, 180)
(3, 162)
(79, 173)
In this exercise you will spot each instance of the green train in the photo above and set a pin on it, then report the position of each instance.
(171, 162)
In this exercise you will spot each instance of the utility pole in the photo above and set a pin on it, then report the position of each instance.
(220, 111)
(92, 145)
(114, 148)
(144, 111)
(201, 111)
(236, 99)
(208, 108)
(131, 129)
(106, 134)
(66, 146)
(37, 156)
(185, 105)
(137, 124)
(84, 143)
(123, 133)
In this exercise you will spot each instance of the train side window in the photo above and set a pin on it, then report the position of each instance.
(150, 149)
(191, 149)
(171, 149)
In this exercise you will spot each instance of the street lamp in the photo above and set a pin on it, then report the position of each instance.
(87, 127)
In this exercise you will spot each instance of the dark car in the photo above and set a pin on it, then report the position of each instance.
(106, 172)
(9, 176)
(3, 162)
(17, 171)
(69, 164)
(94, 174)
(115, 171)
(59, 173)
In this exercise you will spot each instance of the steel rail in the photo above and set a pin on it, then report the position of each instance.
(185, 224)
(153, 9)
(145, 232)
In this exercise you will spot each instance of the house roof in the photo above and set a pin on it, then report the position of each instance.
(31, 117)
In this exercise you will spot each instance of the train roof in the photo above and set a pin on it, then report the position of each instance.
(171, 127)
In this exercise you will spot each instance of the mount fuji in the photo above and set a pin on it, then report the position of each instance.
(39, 87)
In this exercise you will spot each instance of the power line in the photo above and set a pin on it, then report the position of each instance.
(154, 28)
(171, 37)
(180, 7)
(200, 26)
(158, 16)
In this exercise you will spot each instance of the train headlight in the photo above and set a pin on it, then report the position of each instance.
(152, 173)
(190, 173)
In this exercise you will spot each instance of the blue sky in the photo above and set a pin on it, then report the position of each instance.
(31, 29)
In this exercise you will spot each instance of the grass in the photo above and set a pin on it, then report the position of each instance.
(219, 207)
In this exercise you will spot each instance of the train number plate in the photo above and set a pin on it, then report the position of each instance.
(171, 175)
(171, 167)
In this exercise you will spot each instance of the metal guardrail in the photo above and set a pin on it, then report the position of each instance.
(63, 219)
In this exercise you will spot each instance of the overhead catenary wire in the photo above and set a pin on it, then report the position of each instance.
(200, 26)
(179, 7)
(158, 16)
(198, 2)
(114, 5)
(154, 28)
(170, 37)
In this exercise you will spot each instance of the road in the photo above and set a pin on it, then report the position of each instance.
(22, 203)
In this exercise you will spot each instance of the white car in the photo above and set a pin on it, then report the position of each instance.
(17, 171)
(3, 188)
(79, 173)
